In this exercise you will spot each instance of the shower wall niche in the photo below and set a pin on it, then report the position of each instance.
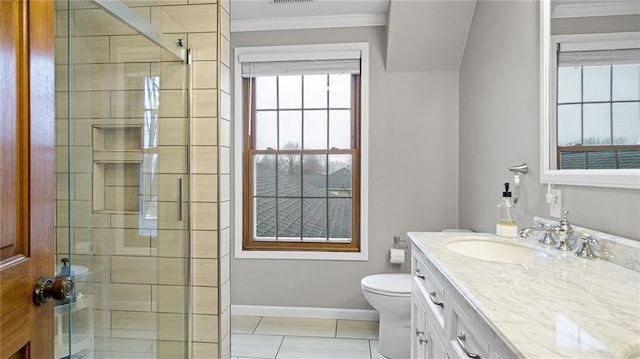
(117, 164)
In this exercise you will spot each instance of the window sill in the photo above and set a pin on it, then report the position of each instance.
(306, 255)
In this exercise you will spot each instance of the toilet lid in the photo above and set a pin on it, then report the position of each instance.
(388, 283)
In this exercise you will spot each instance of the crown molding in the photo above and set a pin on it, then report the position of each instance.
(596, 8)
(308, 22)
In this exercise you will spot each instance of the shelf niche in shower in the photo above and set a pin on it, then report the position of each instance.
(117, 168)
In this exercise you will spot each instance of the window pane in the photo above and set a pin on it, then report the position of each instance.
(597, 83)
(290, 130)
(315, 129)
(265, 217)
(626, 82)
(266, 93)
(569, 84)
(340, 174)
(266, 130)
(573, 160)
(315, 91)
(626, 123)
(289, 175)
(340, 219)
(569, 127)
(597, 124)
(601, 159)
(314, 168)
(289, 219)
(314, 219)
(340, 91)
(290, 91)
(629, 159)
(339, 129)
(301, 187)
(265, 175)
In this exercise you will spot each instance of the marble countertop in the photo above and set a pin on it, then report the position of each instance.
(570, 308)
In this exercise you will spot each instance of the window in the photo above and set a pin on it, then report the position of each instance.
(598, 106)
(302, 155)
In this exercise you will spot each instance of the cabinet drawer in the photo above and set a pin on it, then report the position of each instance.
(432, 290)
(465, 338)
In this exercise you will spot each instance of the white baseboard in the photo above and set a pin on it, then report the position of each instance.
(304, 312)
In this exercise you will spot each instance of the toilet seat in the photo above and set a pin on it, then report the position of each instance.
(392, 285)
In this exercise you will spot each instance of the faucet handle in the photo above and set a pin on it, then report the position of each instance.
(588, 238)
(547, 239)
(585, 250)
(563, 218)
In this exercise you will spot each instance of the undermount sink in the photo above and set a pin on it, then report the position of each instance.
(499, 250)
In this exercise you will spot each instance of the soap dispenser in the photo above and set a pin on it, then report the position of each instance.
(65, 270)
(506, 225)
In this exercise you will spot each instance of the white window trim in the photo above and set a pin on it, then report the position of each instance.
(289, 53)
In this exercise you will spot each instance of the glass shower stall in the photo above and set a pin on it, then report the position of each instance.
(122, 176)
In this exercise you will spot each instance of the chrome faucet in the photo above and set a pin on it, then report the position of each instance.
(562, 231)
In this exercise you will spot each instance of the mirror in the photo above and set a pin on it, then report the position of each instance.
(590, 92)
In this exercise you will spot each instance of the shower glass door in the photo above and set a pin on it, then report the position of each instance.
(122, 221)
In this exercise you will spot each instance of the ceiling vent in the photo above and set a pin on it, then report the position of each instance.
(281, 2)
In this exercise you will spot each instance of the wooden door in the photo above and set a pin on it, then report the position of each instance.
(26, 175)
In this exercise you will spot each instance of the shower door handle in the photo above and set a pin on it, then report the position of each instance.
(180, 199)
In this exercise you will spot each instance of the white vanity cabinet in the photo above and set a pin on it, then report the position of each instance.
(443, 324)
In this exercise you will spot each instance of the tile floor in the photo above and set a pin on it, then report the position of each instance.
(302, 338)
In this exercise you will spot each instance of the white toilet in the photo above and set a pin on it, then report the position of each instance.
(390, 295)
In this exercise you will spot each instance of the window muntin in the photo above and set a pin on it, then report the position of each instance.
(598, 109)
(301, 188)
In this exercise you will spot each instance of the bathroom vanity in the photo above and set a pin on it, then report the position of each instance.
(482, 296)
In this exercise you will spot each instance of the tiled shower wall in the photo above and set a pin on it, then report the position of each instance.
(138, 277)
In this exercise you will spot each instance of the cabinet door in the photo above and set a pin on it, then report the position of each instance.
(438, 349)
(422, 334)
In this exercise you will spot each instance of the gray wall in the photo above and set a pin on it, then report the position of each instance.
(499, 127)
(412, 178)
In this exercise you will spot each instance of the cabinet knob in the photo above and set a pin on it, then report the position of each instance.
(432, 297)
(417, 273)
(421, 338)
(461, 339)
